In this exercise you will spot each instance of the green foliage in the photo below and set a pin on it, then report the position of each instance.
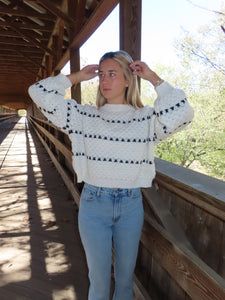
(203, 142)
(89, 91)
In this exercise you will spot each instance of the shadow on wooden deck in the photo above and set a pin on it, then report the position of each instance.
(41, 256)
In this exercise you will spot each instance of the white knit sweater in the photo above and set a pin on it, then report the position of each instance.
(113, 146)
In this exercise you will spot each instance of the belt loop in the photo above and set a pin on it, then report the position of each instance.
(129, 192)
(98, 191)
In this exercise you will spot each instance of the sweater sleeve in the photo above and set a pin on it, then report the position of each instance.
(48, 95)
(172, 111)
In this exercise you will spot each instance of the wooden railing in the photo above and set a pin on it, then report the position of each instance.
(6, 116)
(182, 247)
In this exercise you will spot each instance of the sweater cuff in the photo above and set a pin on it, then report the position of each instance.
(163, 88)
(64, 80)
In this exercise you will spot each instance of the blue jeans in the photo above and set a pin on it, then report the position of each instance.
(110, 217)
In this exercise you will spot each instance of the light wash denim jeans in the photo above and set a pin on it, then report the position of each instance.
(110, 216)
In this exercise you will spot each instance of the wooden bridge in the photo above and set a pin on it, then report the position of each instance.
(181, 253)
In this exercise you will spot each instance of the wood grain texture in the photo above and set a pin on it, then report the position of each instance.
(191, 273)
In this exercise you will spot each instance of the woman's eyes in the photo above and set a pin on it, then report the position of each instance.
(110, 74)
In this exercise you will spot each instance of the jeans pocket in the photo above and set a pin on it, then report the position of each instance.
(136, 194)
(87, 195)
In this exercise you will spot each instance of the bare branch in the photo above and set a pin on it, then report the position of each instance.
(200, 54)
(208, 61)
(199, 6)
(222, 27)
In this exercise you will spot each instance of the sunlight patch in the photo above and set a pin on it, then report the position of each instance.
(15, 260)
(56, 260)
(46, 213)
(67, 294)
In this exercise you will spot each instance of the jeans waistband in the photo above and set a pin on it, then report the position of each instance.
(112, 191)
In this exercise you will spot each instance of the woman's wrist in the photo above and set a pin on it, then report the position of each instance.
(155, 79)
(74, 78)
(158, 82)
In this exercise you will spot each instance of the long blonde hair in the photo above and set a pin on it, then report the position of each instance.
(132, 94)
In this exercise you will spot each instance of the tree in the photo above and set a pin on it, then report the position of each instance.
(207, 46)
(203, 143)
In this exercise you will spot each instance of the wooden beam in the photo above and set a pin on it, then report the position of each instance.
(130, 27)
(11, 55)
(17, 105)
(60, 146)
(43, 72)
(15, 3)
(15, 63)
(57, 42)
(31, 40)
(197, 198)
(164, 216)
(140, 292)
(18, 67)
(48, 64)
(20, 42)
(8, 33)
(196, 278)
(55, 11)
(25, 13)
(8, 116)
(76, 10)
(52, 40)
(205, 187)
(12, 59)
(5, 98)
(31, 60)
(103, 9)
(74, 66)
(25, 26)
(14, 71)
(13, 34)
(25, 48)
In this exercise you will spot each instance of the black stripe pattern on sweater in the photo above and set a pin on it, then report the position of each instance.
(114, 160)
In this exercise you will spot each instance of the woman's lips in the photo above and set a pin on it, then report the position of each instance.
(106, 90)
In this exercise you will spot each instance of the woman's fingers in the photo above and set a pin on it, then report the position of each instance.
(138, 67)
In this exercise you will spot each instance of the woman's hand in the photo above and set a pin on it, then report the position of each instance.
(142, 70)
(86, 73)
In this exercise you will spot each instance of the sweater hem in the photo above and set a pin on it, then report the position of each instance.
(118, 183)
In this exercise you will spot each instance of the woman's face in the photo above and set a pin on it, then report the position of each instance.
(112, 82)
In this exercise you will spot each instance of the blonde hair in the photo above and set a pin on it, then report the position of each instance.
(132, 94)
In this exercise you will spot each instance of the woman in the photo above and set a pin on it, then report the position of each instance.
(112, 146)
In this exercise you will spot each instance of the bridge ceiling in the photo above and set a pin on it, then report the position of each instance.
(35, 35)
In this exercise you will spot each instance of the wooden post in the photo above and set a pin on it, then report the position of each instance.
(60, 39)
(54, 47)
(48, 59)
(74, 67)
(76, 11)
(57, 40)
(43, 72)
(130, 27)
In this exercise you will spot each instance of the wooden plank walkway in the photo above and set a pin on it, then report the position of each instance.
(41, 256)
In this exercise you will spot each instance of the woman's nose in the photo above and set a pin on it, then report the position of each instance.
(103, 78)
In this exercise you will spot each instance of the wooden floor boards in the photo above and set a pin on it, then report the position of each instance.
(41, 256)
